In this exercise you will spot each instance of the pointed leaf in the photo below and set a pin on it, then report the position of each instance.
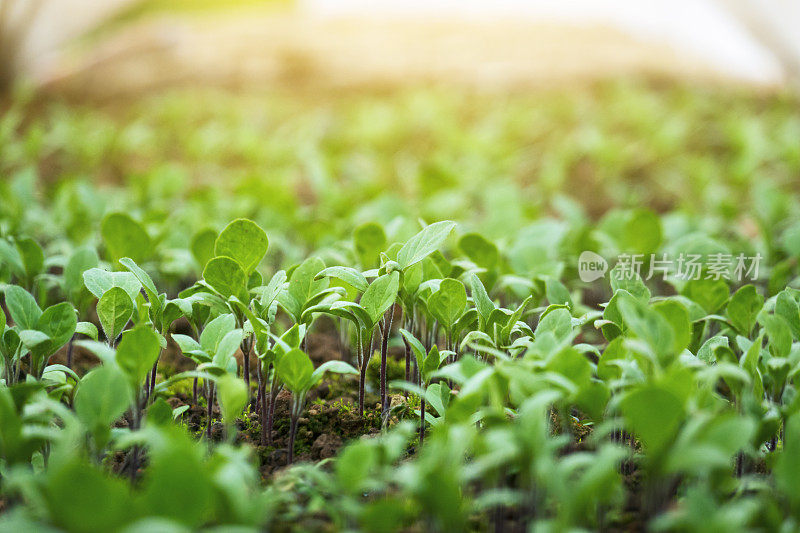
(58, 322)
(483, 303)
(22, 307)
(337, 367)
(215, 330)
(143, 278)
(416, 347)
(114, 310)
(424, 243)
(380, 295)
(743, 308)
(448, 303)
(351, 276)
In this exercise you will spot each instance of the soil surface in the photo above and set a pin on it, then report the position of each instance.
(329, 420)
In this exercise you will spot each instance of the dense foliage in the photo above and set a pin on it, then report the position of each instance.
(193, 283)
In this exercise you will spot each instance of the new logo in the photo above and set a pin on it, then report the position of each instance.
(591, 266)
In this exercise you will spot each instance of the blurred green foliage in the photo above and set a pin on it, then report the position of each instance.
(552, 403)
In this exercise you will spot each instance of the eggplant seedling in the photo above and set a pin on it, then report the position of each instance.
(297, 372)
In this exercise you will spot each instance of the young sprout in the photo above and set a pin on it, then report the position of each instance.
(298, 374)
(213, 353)
(233, 397)
(428, 363)
(378, 297)
(35, 332)
(417, 248)
(244, 242)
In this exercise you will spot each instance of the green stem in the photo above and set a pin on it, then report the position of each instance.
(210, 409)
(421, 419)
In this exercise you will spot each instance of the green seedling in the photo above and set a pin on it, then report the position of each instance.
(297, 372)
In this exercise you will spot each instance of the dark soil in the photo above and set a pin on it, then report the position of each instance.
(329, 420)
(82, 359)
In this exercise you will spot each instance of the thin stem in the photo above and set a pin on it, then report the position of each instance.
(259, 391)
(387, 328)
(262, 407)
(40, 368)
(363, 378)
(421, 419)
(210, 409)
(408, 361)
(136, 423)
(70, 347)
(246, 345)
(17, 363)
(362, 371)
(273, 399)
(152, 385)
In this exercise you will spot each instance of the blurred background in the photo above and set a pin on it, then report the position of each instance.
(125, 45)
(313, 116)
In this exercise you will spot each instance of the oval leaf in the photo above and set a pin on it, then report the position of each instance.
(243, 241)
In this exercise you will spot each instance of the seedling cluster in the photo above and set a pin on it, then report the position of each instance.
(194, 371)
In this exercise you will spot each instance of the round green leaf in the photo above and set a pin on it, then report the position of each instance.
(643, 231)
(233, 396)
(227, 277)
(448, 303)
(58, 322)
(479, 250)
(79, 262)
(74, 489)
(678, 318)
(32, 256)
(654, 414)
(98, 281)
(124, 237)
(137, 352)
(202, 245)
(295, 370)
(103, 396)
(369, 240)
(711, 295)
(243, 241)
